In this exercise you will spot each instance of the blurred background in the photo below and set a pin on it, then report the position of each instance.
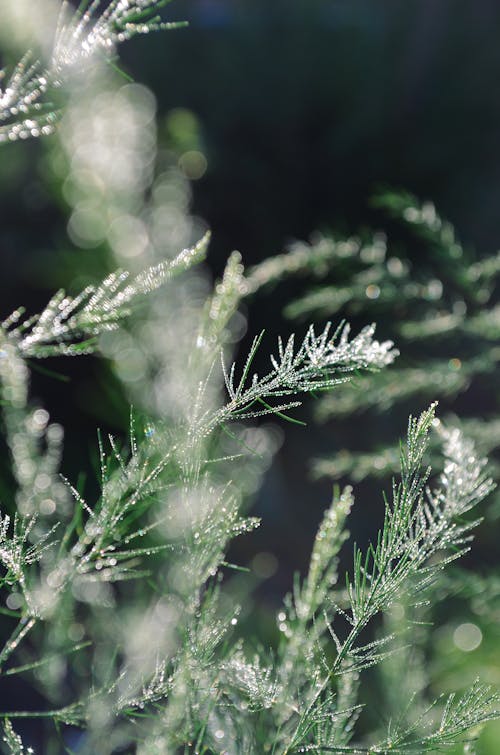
(286, 118)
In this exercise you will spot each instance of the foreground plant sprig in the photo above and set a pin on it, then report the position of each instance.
(319, 363)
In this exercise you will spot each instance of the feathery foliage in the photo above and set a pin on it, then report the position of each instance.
(118, 603)
(92, 31)
(70, 325)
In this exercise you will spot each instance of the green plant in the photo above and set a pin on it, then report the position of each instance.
(439, 301)
(119, 608)
(443, 312)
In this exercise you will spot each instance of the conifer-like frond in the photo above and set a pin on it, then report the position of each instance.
(402, 383)
(99, 27)
(461, 714)
(420, 525)
(23, 110)
(83, 36)
(16, 551)
(223, 304)
(424, 529)
(319, 363)
(13, 741)
(384, 462)
(315, 260)
(70, 325)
